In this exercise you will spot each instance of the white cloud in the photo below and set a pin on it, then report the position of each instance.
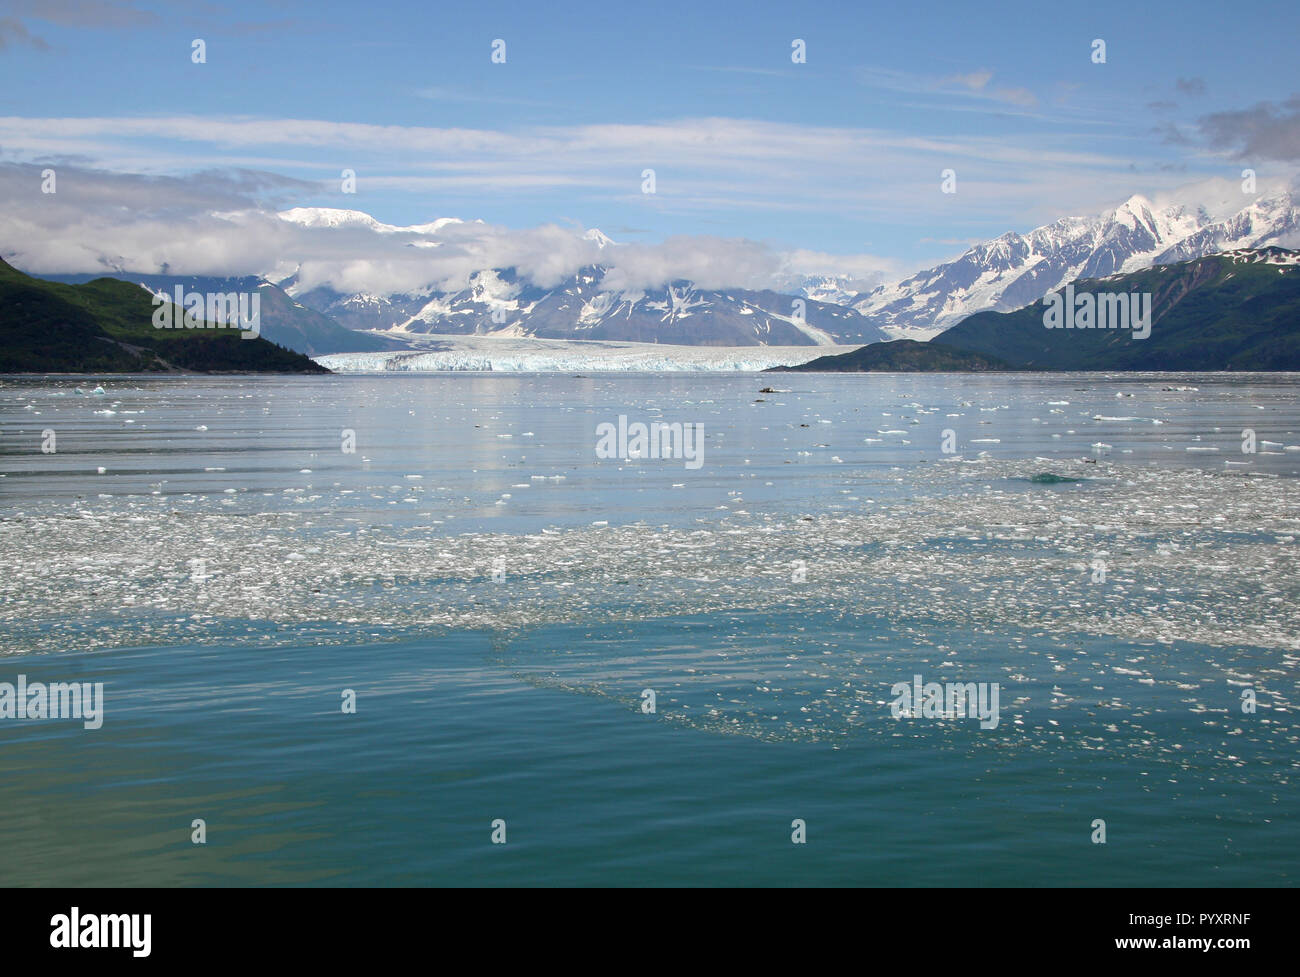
(222, 221)
(202, 226)
(861, 271)
(975, 80)
(702, 164)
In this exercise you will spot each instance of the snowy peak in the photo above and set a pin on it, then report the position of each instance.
(1137, 211)
(498, 302)
(1005, 273)
(328, 217)
(1014, 270)
(331, 217)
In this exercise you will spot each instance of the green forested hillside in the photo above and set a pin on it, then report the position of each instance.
(106, 326)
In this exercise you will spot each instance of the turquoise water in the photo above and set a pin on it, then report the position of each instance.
(520, 698)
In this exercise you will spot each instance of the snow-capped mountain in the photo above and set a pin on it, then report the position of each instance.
(330, 217)
(1268, 221)
(1003, 274)
(498, 302)
(360, 310)
(501, 302)
(1014, 270)
(835, 289)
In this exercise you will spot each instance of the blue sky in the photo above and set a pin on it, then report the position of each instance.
(841, 155)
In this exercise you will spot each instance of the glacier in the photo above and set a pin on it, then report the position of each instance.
(492, 354)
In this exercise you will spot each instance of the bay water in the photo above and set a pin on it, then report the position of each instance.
(360, 627)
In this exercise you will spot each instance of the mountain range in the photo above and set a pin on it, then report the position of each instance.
(500, 302)
(1013, 270)
(1003, 274)
(1234, 311)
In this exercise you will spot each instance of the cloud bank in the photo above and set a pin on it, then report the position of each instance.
(229, 224)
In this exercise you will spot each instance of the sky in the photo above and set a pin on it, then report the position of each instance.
(836, 163)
